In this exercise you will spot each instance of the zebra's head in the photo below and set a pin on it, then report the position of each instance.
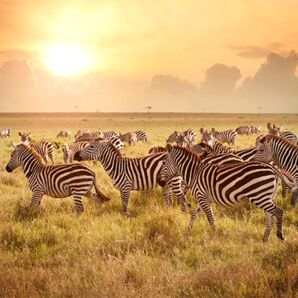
(91, 152)
(25, 137)
(16, 157)
(264, 149)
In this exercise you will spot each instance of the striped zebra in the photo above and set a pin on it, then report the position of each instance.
(185, 138)
(189, 137)
(58, 181)
(109, 134)
(243, 130)
(44, 148)
(128, 174)
(5, 133)
(273, 129)
(227, 185)
(70, 151)
(156, 149)
(226, 136)
(141, 136)
(129, 137)
(283, 154)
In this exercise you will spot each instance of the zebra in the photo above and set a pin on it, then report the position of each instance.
(5, 133)
(284, 155)
(58, 181)
(285, 134)
(25, 136)
(185, 138)
(70, 151)
(109, 134)
(227, 185)
(254, 129)
(89, 137)
(189, 137)
(141, 136)
(63, 134)
(129, 137)
(173, 137)
(244, 130)
(128, 174)
(226, 136)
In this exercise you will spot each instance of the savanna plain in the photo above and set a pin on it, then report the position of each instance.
(101, 253)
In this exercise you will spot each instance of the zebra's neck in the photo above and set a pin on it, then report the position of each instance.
(282, 154)
(110, 161)
(31, 164)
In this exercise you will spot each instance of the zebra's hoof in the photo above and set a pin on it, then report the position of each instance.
(280, 236)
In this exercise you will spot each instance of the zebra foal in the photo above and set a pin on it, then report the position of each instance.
(58, 181)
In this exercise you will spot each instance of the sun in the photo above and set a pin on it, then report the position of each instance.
(67, 59)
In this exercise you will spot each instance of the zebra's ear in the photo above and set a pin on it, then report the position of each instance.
(169, 147)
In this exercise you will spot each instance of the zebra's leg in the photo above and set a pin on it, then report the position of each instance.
(125, 197)
(168, 195)
(284, 189)
(205, 206)
(268, 227)
(78, 203)
(193, 215)
(278, 213)
(36, 199)
(294, 196)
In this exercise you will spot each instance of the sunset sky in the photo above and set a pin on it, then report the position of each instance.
(133, 40)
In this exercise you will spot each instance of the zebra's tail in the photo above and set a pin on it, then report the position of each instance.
(99, 194)
(290, 182)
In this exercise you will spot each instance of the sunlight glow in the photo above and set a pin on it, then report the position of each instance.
(67, 59)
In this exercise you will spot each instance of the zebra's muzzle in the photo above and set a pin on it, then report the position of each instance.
(8, 169)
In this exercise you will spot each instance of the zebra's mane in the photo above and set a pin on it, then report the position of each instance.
(112, 148)
(32, 151)
(188, 152)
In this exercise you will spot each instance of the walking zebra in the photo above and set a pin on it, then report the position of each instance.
(226, 136)
(5, 133)
(141, 136)
(283, 154)
(227, 184)
(128, 174)
(58, 181)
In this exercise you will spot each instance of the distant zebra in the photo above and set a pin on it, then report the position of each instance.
(129, 137)
(283, 154)
(109, 134)
(226, 136)
(128, 174)
(63, 134)
(89, 137)
(227, 185)
(254, 130)
(5, 133)
(173, 137)
(141, 136)
(243, 130)
(58, 181)
(189, 137)
(185, 138)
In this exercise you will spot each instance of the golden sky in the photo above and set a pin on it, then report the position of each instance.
(118, 49)
(133, 38)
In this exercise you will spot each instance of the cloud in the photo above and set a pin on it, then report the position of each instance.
(257, 52)
(220, 80)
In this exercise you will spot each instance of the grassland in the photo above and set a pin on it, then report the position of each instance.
(54, 253)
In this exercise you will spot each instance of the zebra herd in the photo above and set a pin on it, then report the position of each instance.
(209, 170)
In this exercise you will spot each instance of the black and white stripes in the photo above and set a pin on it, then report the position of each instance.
(58, 181)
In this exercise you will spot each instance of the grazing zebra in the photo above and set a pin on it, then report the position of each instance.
(63, 134)
(244, 130)
(141, 136)
(58, 181)
(226, 136)
(227, 184)
(128, 174)
(5, 133)
(129, 137)
(283, 154)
